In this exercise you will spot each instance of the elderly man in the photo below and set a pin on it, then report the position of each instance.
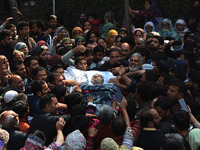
(9, 120)
(16, 83)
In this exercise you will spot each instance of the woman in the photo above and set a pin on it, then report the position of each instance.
(111, 38)
(167, 29)
(21, 46)
(148, 28)
(91, 35)
(79, 41)
(139, 33)
(66, 42)
(181, 28)
(118, 40)
(41, 43)
(77, 31)
(18, 55)
(87, 25)
(61, 30)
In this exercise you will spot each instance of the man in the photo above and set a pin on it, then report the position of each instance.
(6, 48)
(23, 31)
(39, 88)
(41, 55)
(13, 30)
(52, 24)
(31, 63)
(176, 91)
(194, 82)
(98, 53)
(97, 79)
(55, 79)
(38, 29)
(140, 43)
(40, 74)
(18, 68)
(115, 57)
(46, 119)
(57, 68)
(126, 51)
(135, 62)
(153, 44)
(15, 82)
(81, 63)
(163, 107)
(9, 120)
(150, 138)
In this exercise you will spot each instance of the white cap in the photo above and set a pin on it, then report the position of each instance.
(9, 95)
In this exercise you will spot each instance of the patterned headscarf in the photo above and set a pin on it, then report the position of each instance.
(106, 28)
(59, 29)
(78, 38)
(194, 138)
(110, 33)
(140, 29)
(74, 141)
(41, 42)
(168, 32)
(65, 39)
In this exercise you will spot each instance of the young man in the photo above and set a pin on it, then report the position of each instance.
(23, 31)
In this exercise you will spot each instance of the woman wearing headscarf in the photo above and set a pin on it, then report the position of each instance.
(149, 27)
(66, 42)
(21, 46)
(167, 29)
(41, 43)
(139, 33)
(91, 35)
(62, 30)
(111, 38)
(77, 31)
(79, 41)
(181, 28)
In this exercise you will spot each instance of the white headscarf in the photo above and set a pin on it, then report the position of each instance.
(151, 24)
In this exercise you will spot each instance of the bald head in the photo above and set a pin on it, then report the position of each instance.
(125, 48)
(16, 82)
(9, 119)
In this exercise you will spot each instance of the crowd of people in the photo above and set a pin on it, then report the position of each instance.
(101, 86)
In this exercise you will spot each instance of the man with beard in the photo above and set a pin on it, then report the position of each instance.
(16, 83)
(23, 31)
(153, 44)
(135, 62)
(97, 79)
(150, 138)
(41, 55)
(126, 51)
(6, 48)
(31, 63)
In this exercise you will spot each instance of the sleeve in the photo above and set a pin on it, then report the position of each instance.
(54, 146)
(2, 27)
(91, 108)
(66, 59)
(89, 143)
(136, 128)
(128, 138)
(147, 13)
(52, 49)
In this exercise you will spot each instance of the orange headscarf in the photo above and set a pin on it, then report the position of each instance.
(110, 33)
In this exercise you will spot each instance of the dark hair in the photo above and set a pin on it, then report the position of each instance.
(39, 134)
(46, 99)
(118, 36)
(37, 86)
(182, 87)
(131, 108)
(148, 91)
(194, 75)
(13, 67)
(59, 91)
(9, 26)
(118, 126)
(99, 48)
(73, 99)
(181, 120)
(20, 96)
(20, 107)
(179, 72)
(124, 30)
(55, 67)
(151, 75)
(22, 24)
(164, 103)
(5, 33)
(115, 49)
(40, 68)
(78, 59)
(89, 33)
(27, 61)
(143, 52)
(40, 24)
(52, 76)
(78, 109)
(145, 117)
(172, 142)
(36, 51)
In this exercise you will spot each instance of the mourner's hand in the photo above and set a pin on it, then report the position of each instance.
(60, 124)
(90, 98)
(92, 132)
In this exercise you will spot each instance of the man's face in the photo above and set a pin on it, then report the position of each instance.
(139, 43)
(33, 65)
(21, 71)
(7, 42)
(41, 75)
(53, 23)
(115, 57)
(134, 63)
(98, 56)
(156, 118)
(60, 71)
(54, 106)
(89, 58)
(59, 80)
(154, 46)
(125, 50)
(173, 93)
(34, 29)
(161, 112)
(97, 79)
(43, 56)
(18, 84)
(45, 88)
(82, 65)
(24, 32)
